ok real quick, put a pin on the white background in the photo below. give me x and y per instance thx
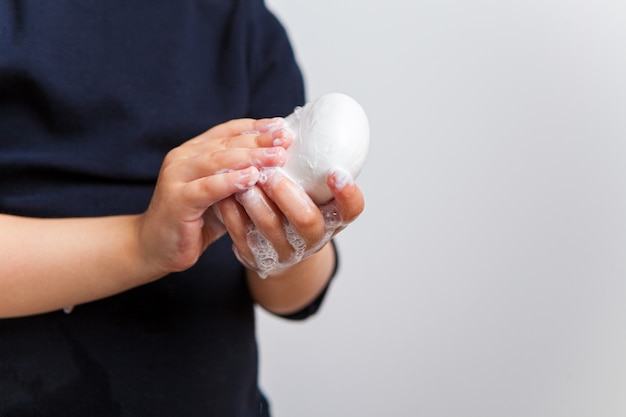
(487, 275)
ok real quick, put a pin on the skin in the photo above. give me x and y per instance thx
(49, 264)
(290, 289)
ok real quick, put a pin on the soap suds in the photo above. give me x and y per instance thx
(331, 135)
(266, 257)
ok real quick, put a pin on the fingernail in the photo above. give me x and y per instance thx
(341, 178)
(282, 136)
(273, 152)
(247, 178)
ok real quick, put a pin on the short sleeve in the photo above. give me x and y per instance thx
(276, 82)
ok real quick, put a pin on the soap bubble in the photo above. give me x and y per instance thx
(266, 257)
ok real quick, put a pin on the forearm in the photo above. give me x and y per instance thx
(296, 287)
(47, 264)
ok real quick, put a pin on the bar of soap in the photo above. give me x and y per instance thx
(329, 133)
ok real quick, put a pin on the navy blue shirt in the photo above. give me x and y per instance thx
(93, 94)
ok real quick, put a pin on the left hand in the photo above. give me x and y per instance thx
(275, 224)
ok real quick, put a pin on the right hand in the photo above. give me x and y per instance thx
(179, 223)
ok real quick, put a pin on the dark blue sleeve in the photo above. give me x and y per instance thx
(276, 83)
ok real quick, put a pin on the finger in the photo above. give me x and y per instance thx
(236, 221)
(295, 204)
(268, 220)
(248, 133)
(281, 137)
(226, 160)
(204, 192)
(347, 195)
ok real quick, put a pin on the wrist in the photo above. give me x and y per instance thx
(293, 288)
(144, 253)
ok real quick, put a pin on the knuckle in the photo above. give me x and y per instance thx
(174, 155)
(307, 219)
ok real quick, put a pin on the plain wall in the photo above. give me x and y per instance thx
(487, 275)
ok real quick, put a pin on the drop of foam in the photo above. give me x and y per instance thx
(329, 133)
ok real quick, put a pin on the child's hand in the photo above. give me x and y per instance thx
(275, 225)
(178, 225)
